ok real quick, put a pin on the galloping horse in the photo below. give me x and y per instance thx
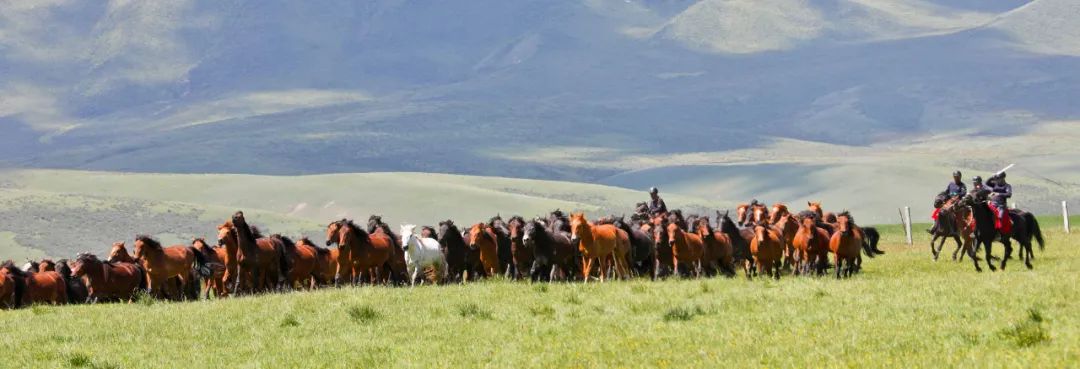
(109, 281)
(77, 293)
(216, 256)
(483, 239)
(522, 254)
(598, 243)
(325, 262)
(395, 267)
(163, 263)
(718, 250)
(359, 253)
(785, 223)
(811, 247)
(686, 249)
(767, 248)
(1025, 227)
(643, 247)
(7, 289)
(261, 263)
(845, 244)
(421, 253)
(505, 249)
(952, 223)
(35, 288)
(301, 261)
(552, 251)
(458, 261)
(740, 237)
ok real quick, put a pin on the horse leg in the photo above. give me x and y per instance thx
(987, 244)
(412, 276)
(1008, 251)
(838, 261)
(959, 245)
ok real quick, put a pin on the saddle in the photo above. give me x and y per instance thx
(1003, 225)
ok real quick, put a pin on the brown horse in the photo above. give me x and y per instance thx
(598, 243)
(815, 206)
(302, 263)
(325, 262)
(7, 290)
(742, 214)
(523, 255)
(119, 254)
(686, 249)
(108, 281)
(163, 263)
(261, 263)
(483, 238)
(811, 247)
(35, 288)
(46, 265)
(719, 252)
(767, 248)
(227, 250)
(360, 253)
(217, 256)
(845, 245)
(395, 268)
(663, 264)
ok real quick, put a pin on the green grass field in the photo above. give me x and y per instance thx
(903, 311)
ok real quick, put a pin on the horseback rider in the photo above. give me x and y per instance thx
(656, 204)
(953, 190)
(1001, 192)
(976, 185)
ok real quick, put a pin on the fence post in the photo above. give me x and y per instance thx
(1065, 214)
(907, 223)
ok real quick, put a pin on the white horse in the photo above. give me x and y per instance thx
(422, 253)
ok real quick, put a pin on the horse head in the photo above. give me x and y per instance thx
(578, 226)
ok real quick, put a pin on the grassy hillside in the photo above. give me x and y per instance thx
(904, 310)
(62, 212)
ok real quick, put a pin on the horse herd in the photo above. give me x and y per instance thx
(557, 247)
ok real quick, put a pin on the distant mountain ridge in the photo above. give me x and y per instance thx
(535, 89)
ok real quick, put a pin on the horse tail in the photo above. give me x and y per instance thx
(202, 266)
(866, 246)
(1033, 227)
(871, 237)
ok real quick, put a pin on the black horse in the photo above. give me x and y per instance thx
(456, 252)
(1025, 228)
(642, 247)
(552, 251)
(504, 243)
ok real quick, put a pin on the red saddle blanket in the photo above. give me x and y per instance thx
(1003, 225)
(934, 215)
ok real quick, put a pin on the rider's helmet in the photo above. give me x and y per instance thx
(956, 174)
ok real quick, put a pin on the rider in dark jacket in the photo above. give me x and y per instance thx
(656, 204)
(955, 189)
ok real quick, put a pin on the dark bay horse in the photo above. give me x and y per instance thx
(505, 246)
(461, 261)
(77, 291)
(740, 237)
(553, 254)
(1025, 228)
(522, 254)
(7, 289)
(811, 247)
(109, 281)
(952, 222)
(718, 250)
(642, 246)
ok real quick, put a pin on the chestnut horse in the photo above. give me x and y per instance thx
(301, 263)
(844, 245)
(662, 258)
(718, 250)
(767, 248)
(227, 251)
(325, 262)
(811, 247)
(522, 254)
(686, 249)
(787, 224)
(163, 263)
(599, 243)
(483, 239)
(7, 289)
(213, 255)
(360, 254)
(395, 267)
(109, 281)
(35, 288)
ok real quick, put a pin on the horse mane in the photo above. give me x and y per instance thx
(87, 257)
(517, 218)
(289, 244)
(430, 230)
(149, 241)
(244, 236)
(10, 267)
(256, 233)
(63, 268)
(361, 234)
(452, 232)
